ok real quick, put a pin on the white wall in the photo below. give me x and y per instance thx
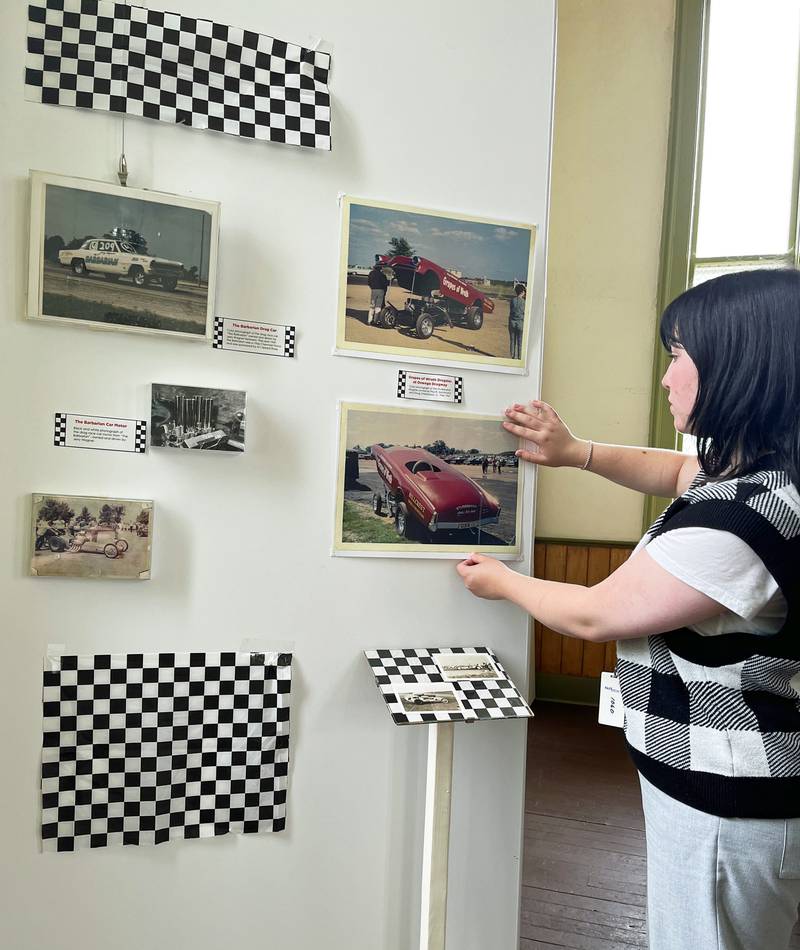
(444, 105)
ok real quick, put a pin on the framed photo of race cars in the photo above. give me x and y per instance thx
(86, 536)
(115, 258)
(434, 287)
(426, 483)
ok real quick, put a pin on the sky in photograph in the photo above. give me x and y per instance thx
(176, 234)
(474, 249)
(367, 427)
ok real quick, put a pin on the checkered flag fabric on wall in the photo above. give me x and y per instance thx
(142, 749)
(60, 429)
(99, 54)
(216, 340)
(288, 343)
(459, 388)
(401, 383)
(140, 439)
(496, 698)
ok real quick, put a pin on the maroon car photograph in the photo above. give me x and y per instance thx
(432, 287)
(424, 483)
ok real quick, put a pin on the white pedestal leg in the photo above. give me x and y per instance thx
(437, 836)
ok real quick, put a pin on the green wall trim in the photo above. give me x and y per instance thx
(680, 206)
(557, 688)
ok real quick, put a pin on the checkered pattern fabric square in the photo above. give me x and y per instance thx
(216, 338)
(60, 429)
(288, 344)
(480, 699)
(106, 55)
(143, 749)
(140, 438)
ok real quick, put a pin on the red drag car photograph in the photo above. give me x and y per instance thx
(430, 286)
(417, 482)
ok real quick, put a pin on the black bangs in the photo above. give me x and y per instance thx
(742, 332)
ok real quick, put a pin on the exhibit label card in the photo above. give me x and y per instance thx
(99, 432)
(429, 386)
(248, 336)
(611, 711)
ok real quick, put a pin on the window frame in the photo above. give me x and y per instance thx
(679, 260)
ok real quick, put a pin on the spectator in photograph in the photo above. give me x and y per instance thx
(484, 465)
(704, 613)
(516, 319)
(378, 284)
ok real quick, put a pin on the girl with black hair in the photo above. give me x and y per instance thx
(707, 614)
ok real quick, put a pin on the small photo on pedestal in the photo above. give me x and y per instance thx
(466, 666)
(194, 417)
(429, 697)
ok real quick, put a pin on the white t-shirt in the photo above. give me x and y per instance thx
(725, 568)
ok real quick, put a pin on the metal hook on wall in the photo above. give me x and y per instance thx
(122, 166)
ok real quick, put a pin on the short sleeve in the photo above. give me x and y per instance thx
(718, 564)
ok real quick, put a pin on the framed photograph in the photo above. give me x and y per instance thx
(432, 287)
(195, 417)
(426, 483)
(114, 258)
(85, 536)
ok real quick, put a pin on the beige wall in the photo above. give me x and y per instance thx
(613, 84)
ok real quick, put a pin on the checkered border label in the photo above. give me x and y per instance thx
(480, 699)
(139, 440)
(289, 337)
(458, 387)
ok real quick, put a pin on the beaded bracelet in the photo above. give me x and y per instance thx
(588, 457)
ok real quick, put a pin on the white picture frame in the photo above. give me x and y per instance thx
(92, 264)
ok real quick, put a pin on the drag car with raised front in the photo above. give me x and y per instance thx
(423, 491)
(441, 297)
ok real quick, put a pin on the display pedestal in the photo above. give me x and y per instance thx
(438, 687)
(436, 839)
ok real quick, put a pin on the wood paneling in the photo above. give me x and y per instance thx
(575, 563)
(555, 569)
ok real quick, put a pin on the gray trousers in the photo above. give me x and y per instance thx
(718, 883)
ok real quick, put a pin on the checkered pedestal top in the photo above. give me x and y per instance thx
(480, 699)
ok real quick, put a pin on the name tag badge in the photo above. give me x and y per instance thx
(611, 712)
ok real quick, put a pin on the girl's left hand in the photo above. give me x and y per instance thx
(484, 576)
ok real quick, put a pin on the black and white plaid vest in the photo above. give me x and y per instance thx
(714, 721)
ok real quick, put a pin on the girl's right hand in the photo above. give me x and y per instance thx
(553, 443)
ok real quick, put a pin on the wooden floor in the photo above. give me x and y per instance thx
(584, 861)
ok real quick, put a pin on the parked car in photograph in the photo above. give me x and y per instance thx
(427, 699)
(424, 492)
(114, 259)
(443, 298)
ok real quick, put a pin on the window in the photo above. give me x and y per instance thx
(732, 194)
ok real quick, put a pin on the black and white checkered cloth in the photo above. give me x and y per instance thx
(481, 699)
(60, 429)
(289, 342)
(459, 389)
(142, 749)
(715, 720)
(100, 54)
